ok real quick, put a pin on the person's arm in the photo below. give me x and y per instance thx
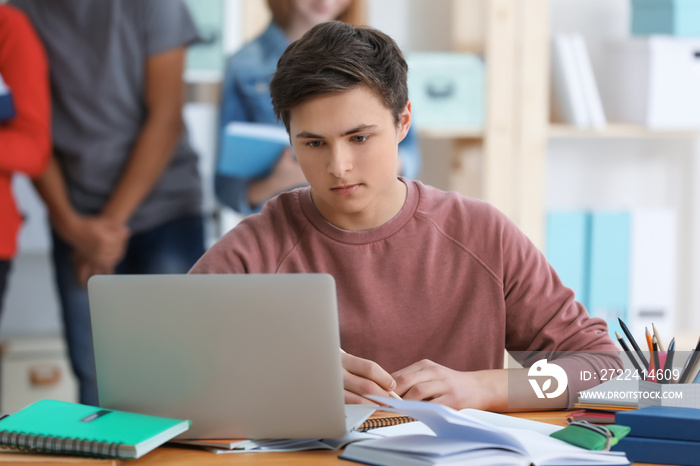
(364, 377)
(160, 133)
(26, 139)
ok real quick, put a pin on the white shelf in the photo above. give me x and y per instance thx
(618, 130)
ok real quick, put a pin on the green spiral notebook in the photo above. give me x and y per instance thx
(60, 427)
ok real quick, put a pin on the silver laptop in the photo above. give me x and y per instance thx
(242, 356)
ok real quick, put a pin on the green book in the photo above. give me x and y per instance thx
(60, 427)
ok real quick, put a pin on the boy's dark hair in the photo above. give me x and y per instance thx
(335, 57)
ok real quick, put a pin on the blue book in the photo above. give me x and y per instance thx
(7, 108)
(645, 450)
(249, 150)
(609, 271)
(568, 251)
(663, 422)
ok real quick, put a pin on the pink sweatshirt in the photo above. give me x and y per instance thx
(449, 279)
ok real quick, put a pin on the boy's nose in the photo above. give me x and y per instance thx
(340, 161)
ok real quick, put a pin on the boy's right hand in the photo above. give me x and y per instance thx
(364, 377)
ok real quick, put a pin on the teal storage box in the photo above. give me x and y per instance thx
(671, 17)
(446, 90)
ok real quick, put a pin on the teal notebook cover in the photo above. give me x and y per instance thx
(609, 271)
(59, 426)
(250, 150)
(567, 250)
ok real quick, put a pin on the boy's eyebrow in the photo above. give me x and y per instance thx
(358, 129)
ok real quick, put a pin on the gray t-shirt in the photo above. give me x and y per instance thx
(97, 52)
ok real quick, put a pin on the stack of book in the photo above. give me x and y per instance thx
(661, 434)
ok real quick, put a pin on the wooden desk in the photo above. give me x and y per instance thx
(187, 456)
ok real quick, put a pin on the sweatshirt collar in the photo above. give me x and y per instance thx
(365, 236)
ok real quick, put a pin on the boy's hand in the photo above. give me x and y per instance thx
(429, 381)
(364, 377)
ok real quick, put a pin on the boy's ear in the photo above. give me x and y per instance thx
(405, 118)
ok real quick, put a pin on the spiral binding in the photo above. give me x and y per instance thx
(376, 422)
(27, 441)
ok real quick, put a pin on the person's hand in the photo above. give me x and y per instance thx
(364, 377)
(99, 241)
(85, 269)
(287, 173)
(429, 381)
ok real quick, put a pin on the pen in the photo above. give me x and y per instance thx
(634, 344)
(626, 349)
(657, 366)
(669, 358)
(658, 338)
(651, 347)
(391, 392)
(690, 364)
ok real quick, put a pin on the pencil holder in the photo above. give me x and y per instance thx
(685, 395)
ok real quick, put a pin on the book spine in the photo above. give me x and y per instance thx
(26, 441)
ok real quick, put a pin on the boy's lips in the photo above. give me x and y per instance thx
(346, 188)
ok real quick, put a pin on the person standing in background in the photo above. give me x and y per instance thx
(246, 97)
(123, 189)
(25, 125)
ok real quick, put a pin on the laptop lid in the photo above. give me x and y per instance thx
(242, 356)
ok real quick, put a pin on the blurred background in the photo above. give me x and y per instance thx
(578, 118)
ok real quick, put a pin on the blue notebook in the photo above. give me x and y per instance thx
(645, 450)
(7, 108)
(249, 150)
(663, 422)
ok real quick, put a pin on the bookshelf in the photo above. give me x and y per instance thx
(505, 163)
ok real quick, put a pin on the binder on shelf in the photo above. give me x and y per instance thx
(652, 278)
(70, 428)
(566, 83)
(568, 239)
(590, 92)
(609, 269)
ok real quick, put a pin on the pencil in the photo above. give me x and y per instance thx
(669, 358)
(658, 376)
(391, 392)
(629, 354)
(658, 338)
(690, 364)
(650, 345)
(634, 344)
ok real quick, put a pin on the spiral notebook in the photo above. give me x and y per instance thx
(61, 427)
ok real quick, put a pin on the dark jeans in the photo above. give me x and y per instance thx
(4, 273)
(173, 247)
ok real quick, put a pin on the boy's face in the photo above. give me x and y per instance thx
(347, 147)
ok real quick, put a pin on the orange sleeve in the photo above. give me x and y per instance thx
(25, 141)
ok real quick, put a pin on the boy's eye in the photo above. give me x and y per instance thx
(360, 138)
(314, 143)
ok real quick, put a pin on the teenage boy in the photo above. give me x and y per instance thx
(432, 286)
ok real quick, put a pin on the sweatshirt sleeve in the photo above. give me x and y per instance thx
(543, 320)
(26, 139)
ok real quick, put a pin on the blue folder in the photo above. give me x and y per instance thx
(250, 150)
(568, 249)
(608, 296)
(7, 108)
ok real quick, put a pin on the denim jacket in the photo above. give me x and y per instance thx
(246, 97)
